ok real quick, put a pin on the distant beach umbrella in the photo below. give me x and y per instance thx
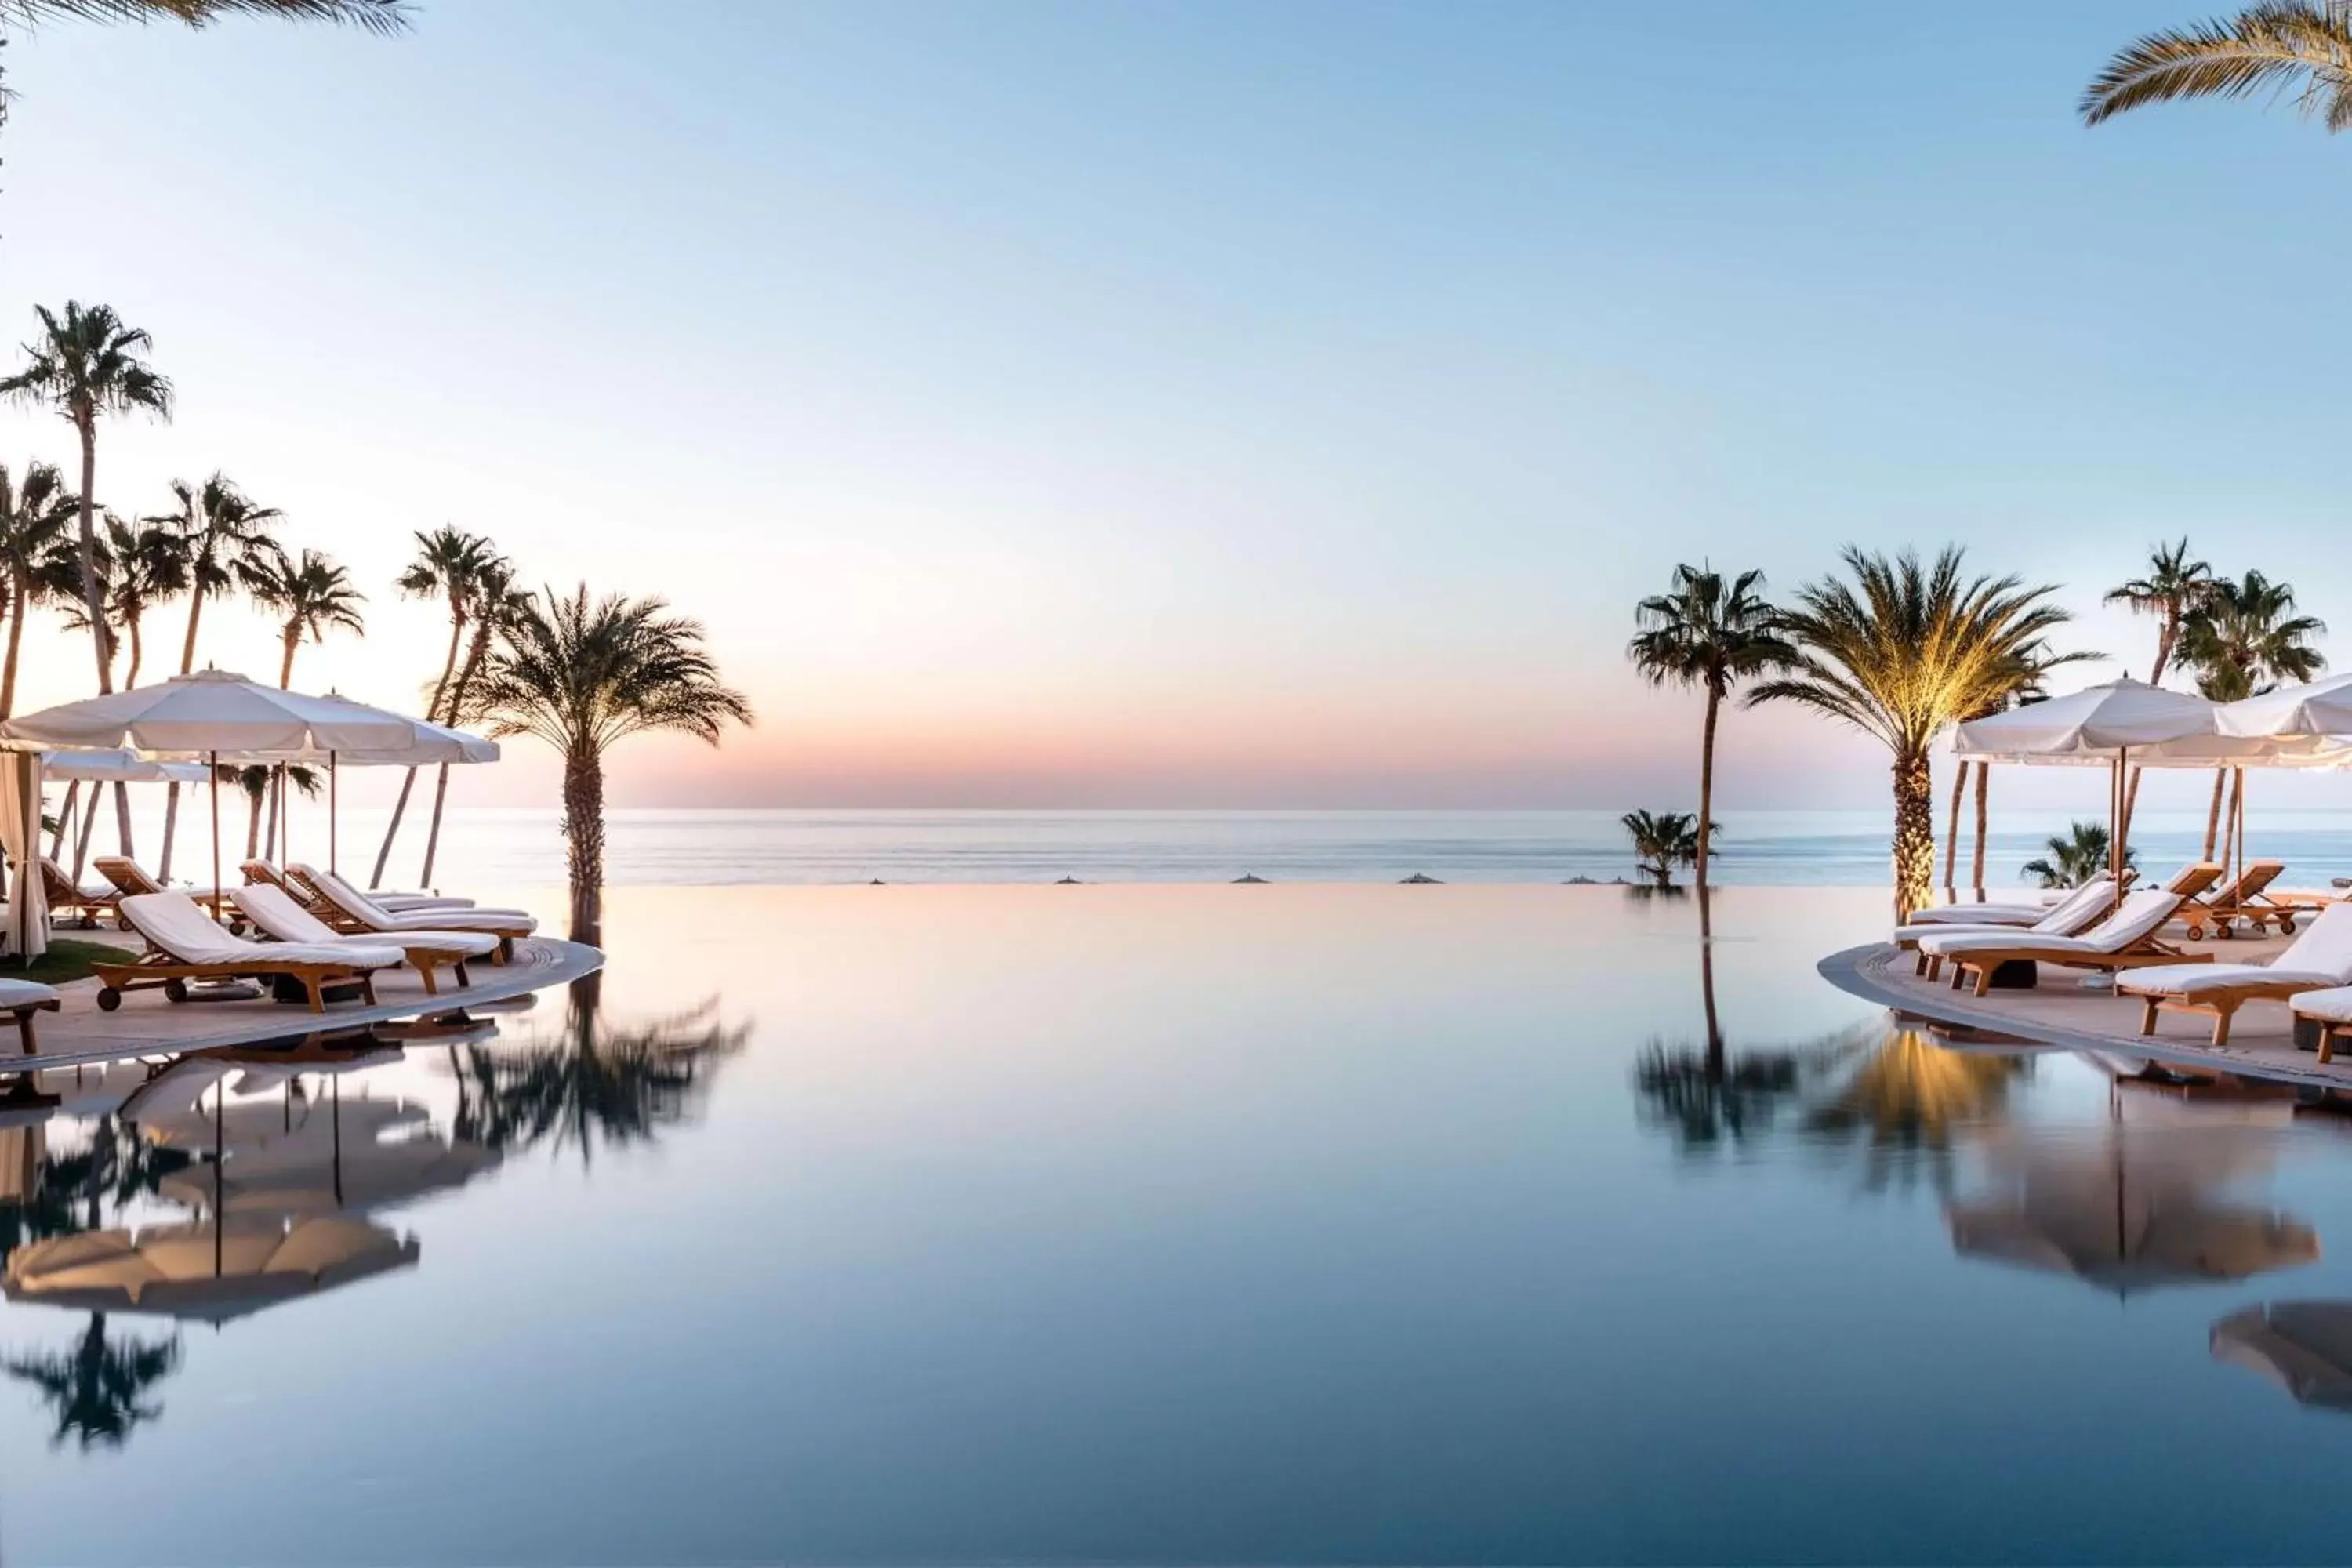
(119, 762)
(1420, 879)
(2304, 1347)
(1248, 877)
(2320, 708)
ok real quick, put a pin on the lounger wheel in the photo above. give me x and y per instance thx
(176, 991)
(2287, 925)
(109, 999)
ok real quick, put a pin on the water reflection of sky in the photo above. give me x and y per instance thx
(1210, 1224)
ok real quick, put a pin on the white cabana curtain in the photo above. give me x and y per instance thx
(20, 833)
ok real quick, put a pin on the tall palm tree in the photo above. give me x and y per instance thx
(35, 518)
(312, 596)
(2175, 585)
(85, 364)
(1714, 635)
(147, 564)
(584, 675)
(231, 544)
(496, 603)
(449, 565)
(2297, 48)
(1902, 651)
(2245, 637)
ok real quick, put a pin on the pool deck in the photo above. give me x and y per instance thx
(146, 1024)
(2060, 1012)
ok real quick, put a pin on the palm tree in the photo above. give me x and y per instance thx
(2244, 637)
(2176, 583)
(589, 1083)
(2077, 856)
(448, 566)
(36, 519)
(1707, 633)
(496, 603)
(582, 676)
(2301, 48)
(1902, 652)
(147, 564)
(230, 546)
(98, 1390)
(314, 595)
(258, 781)
(1663, 840)
(84, 365)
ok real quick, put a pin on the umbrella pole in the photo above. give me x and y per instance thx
(2122, 822)
(213, 773)
(331, 807)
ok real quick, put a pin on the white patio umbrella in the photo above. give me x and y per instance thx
(2320, 708)
(2105, 722)
(213, 713)
(118, 762)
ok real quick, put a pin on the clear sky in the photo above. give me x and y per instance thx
(1158, 404)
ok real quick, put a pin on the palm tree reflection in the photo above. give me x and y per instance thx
(1905, 1100)
(98, 1390)
(592, 1083)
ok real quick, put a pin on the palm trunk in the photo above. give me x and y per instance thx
(93, 599)
(22, 591)
(1952, 837)
(122, 819)
(1705, 785)
(584, 835)
(1706, 983)
(138, 653)
(252, 824)
(65, 814)
(1915, 834)
(2131, 799)
(2213, 812)
(2229, 835)
(473, 657)
(1984, 813)
(187, 663)
(408, 779)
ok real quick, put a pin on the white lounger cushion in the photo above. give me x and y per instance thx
(370, 914)
(16, 994)
(183, 932)
(2069, 915)
(2320, 957)
(2142, 915)
(274, 911)
(2333, 1004)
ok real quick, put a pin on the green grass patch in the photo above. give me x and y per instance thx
(66, 960)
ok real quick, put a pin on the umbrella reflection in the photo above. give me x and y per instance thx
(2137, 1202)
(2304, 1347)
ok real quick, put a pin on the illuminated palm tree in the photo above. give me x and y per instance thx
(448, 566)
(1713, 634)
(2299, 49)
(1902, 652)
(584, 675)
(84, 365)
(2243, 639)
(1908, 1099)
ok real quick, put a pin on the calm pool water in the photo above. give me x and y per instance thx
(1190, 1224)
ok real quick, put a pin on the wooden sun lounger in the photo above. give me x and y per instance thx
(131, 880)
(1982, 958)
(20, 999)
(64, 895)
(155, 917)
(282, 916)
(2242, 901)
(2318, 959)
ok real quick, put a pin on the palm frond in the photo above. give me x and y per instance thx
(2298, 48)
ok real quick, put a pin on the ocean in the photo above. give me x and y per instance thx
(677, 847)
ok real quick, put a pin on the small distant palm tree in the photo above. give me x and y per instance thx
(2244, 637)
(257, 782)
(1714, 634)
(448, 566)
(582, 675)
(2076, 859)
(147, 564)
(2296, 48)
(36, 518)
(313, 596)
(1663, 840)
(1904, 651)
(84, 365)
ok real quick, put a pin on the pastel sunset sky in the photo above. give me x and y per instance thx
(1191, 404)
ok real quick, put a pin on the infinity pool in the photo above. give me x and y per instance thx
(1189, 1225)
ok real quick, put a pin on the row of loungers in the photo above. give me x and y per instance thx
(2313, 976)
